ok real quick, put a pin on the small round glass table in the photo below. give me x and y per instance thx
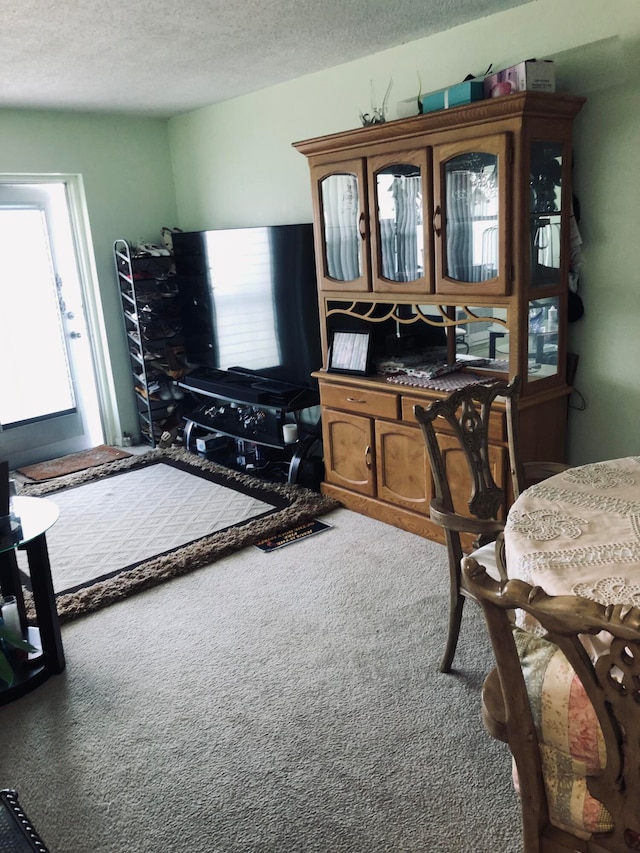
(26, 529)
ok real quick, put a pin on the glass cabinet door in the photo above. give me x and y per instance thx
(545, 214)
(482, 339)
(470, 215)
(400, 203)
(345, 238)
(546, 340)
(542, 357)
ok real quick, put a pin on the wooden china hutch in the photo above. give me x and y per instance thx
(443, 233)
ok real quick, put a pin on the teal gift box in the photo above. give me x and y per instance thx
(453, 96)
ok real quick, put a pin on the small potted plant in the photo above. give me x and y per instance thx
(10, 638)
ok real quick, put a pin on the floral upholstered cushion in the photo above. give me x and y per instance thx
(569, 734)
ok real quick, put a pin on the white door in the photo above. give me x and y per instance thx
(49, 404)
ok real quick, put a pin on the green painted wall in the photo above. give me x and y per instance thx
(234, 166)
(126, 168)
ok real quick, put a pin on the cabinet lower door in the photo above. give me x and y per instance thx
(458, 472)
(348, 451)
(402, 466)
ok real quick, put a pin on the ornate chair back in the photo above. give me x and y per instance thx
(573, 726)
(469, 493)
(466, 414)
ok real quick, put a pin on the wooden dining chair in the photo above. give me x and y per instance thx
(470, 496)
(573, 726)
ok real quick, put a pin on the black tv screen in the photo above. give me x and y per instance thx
(249, 301)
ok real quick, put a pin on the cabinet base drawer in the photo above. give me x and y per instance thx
(413, 522)
(361, 401)
(497, 419)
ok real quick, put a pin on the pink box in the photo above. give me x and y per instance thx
(536, 75)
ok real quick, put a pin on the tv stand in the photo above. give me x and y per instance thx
(242, 386)
(239, 418)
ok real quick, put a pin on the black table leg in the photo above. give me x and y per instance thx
(44, 600)
(11, 584)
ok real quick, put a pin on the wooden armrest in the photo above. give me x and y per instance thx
(501, 557)
(465, 523)
(494, 715)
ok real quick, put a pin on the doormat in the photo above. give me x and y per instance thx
(131, 524)
(293, 535)
(73, 462)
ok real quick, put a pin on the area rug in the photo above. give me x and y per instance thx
(128, 525)
(73, 462)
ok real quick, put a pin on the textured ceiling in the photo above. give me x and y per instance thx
(165, 57)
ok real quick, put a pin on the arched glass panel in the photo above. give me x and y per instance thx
(399, 200)
(341, 211)
(471, 193)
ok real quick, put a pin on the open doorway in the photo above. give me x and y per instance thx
(49, 399)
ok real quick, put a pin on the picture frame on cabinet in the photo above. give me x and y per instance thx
(350, 352)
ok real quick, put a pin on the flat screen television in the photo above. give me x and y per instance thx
(249, 301)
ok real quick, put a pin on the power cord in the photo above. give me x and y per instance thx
(582, 403)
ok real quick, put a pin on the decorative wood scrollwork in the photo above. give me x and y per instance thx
(376, 312)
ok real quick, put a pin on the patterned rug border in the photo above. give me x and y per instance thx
(302, 505)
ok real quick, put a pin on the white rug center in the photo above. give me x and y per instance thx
(129, 517)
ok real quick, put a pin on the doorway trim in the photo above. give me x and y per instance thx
(89, 284)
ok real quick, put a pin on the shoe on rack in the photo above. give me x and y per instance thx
(161, 251)
(166, 291)
(154, 431)
(167, 237)
(169, 436)
(171, 271)
(152, 354)
(146, 249)
(156, 329)
(153, 250)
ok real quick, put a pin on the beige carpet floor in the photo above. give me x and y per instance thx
(287, 702)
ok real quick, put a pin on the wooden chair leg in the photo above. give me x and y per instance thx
(455, 618)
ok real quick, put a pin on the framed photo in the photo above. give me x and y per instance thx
(349, 353)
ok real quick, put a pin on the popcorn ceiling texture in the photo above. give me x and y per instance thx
(163, 58)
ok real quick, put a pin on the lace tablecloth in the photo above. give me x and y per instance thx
(579, 533)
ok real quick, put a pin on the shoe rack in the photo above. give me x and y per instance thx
(153, 329)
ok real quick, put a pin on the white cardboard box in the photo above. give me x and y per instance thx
(536, 75)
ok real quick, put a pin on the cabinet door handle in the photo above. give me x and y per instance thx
(361, 226)
(367, 456)
(437, 224)
(354, 400)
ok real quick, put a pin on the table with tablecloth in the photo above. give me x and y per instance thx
(578, 533)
